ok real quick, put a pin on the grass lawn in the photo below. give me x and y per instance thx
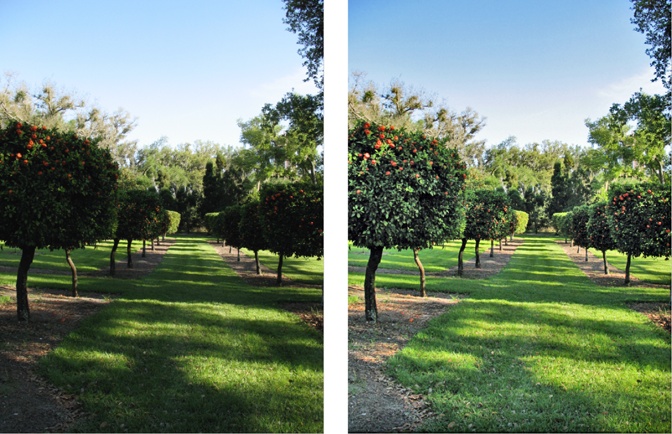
(87, 259)
(304, 270)
(435, 260)
(653, 270)
(191, 348)
(539, 347)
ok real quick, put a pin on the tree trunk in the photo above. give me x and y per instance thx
(478, 257)
(22, 307)
(460, 260)
(113, 264)
(238, 255)
(371, 310)
(230, 248)
(144, 248)
(73, 269)
(492, 248)
(627, 270)
(500, 244)
(604, 259)
(256, 261)
(158, 242)
(578, 249)
(152, 244)
(129, 258)
(279, 278)
(423, 286)
(586, 254)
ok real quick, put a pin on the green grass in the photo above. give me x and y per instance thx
(539, 347)
(653, 270)
(435, 260)
(191, 348)
(87, 259)
(303, 270)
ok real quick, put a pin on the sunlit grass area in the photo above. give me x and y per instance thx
(539, 347)
(191, 348)
(90, 258)
(434, 260)
(303, 270)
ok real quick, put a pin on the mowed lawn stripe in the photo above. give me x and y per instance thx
(541, 348)
(192, 348)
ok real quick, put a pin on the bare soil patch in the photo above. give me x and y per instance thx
(659, 313)
(376, 402)
(28, 403)
(311, 313)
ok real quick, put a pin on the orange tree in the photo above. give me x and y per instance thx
(489, 216)
(599, 231)
(293, 220)
(404, 192)
(229, 222)
(639, 217)
(578, 227)
(252, 230)
(139, 217)
(57, 191)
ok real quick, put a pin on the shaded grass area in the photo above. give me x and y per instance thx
(652, 270)
(435, 260)
(191, 348)
(303, 270)
(90, 258)
(539, 347)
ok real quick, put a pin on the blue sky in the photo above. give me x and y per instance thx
(188, 70)
(536, 69)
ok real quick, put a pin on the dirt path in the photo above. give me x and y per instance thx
(27, 402)
(659, 313)
(310, 313)
(376, 402)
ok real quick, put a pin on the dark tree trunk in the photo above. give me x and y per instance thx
(371, 310)
(627, 270)
(144, 248)
(604, 259)
(423, 286)
(129, 258)
(586, 254)
(478, 257)
(492, 248)
(578, 249)
(152, 244)
(22, 307)
(238, 255)
(230, 248)
(73, 269)
(500, 244)
(256, 261)
(278, 280)
(460, 260)
(158, 242)
(113, 264)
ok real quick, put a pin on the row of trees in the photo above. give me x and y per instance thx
(636, 222)
(287, 220)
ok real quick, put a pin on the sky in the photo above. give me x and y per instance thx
(187, 70)
(535, 69)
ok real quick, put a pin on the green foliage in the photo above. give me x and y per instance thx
(251, 227)
(561, 221)
(578, 225)
(173, 222)
(652, 18)
(139, 214)
(640, 218)
(210, 222)
(520, 219)
(229, 221)
(599, 229)
(489, 215)
(404, 188)
(57, 190)
(293, 218)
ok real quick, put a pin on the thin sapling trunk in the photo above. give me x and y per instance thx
(238, 248)
(278, 280)
(73, 270)
(492, 248)
(371, 310)
(586, 254)
(129, 258)
(113, 264)
(423, 286)
(144, 248)
(22, 307)
(256, 261)
(604, 259)
(478, 257)
(627, 270)
(460, 258)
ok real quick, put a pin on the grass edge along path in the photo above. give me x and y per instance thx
(193, 348)
(526, 352)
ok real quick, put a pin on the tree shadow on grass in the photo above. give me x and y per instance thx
(192, 367)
